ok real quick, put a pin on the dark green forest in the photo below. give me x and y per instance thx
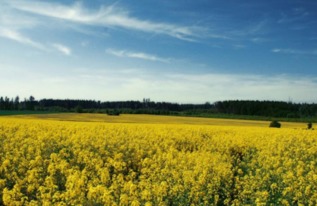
(229, 108)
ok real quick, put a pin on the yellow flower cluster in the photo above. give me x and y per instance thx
(45, 162)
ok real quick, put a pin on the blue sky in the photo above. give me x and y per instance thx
(176, 51)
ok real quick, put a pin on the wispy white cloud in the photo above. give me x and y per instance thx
(110, 16)
(63, 49)
(297, 19)
(137, 55)
(12, 25)
(84, 43)
(260, 40)
(297, 15)
(239, 46)
(18, 37)
(10, 18)
(258, 27)
(294, 51)
(255, 28)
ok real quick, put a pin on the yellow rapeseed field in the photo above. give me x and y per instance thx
(154, 161)
(156, 119)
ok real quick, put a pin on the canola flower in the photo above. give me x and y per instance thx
(45, 162)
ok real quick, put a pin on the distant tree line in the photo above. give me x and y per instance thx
(230, 107)
(7, 103)
(266, 108)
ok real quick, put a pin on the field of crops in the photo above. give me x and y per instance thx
(46, 161)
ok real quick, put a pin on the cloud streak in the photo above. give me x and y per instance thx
(110, 16)
(63, 49)
(294, 51)
(18, 37)
(137, 55)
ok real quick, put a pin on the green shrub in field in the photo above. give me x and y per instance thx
(309, 125)
(275, 124)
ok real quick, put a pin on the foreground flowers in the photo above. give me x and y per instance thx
(50, 162)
